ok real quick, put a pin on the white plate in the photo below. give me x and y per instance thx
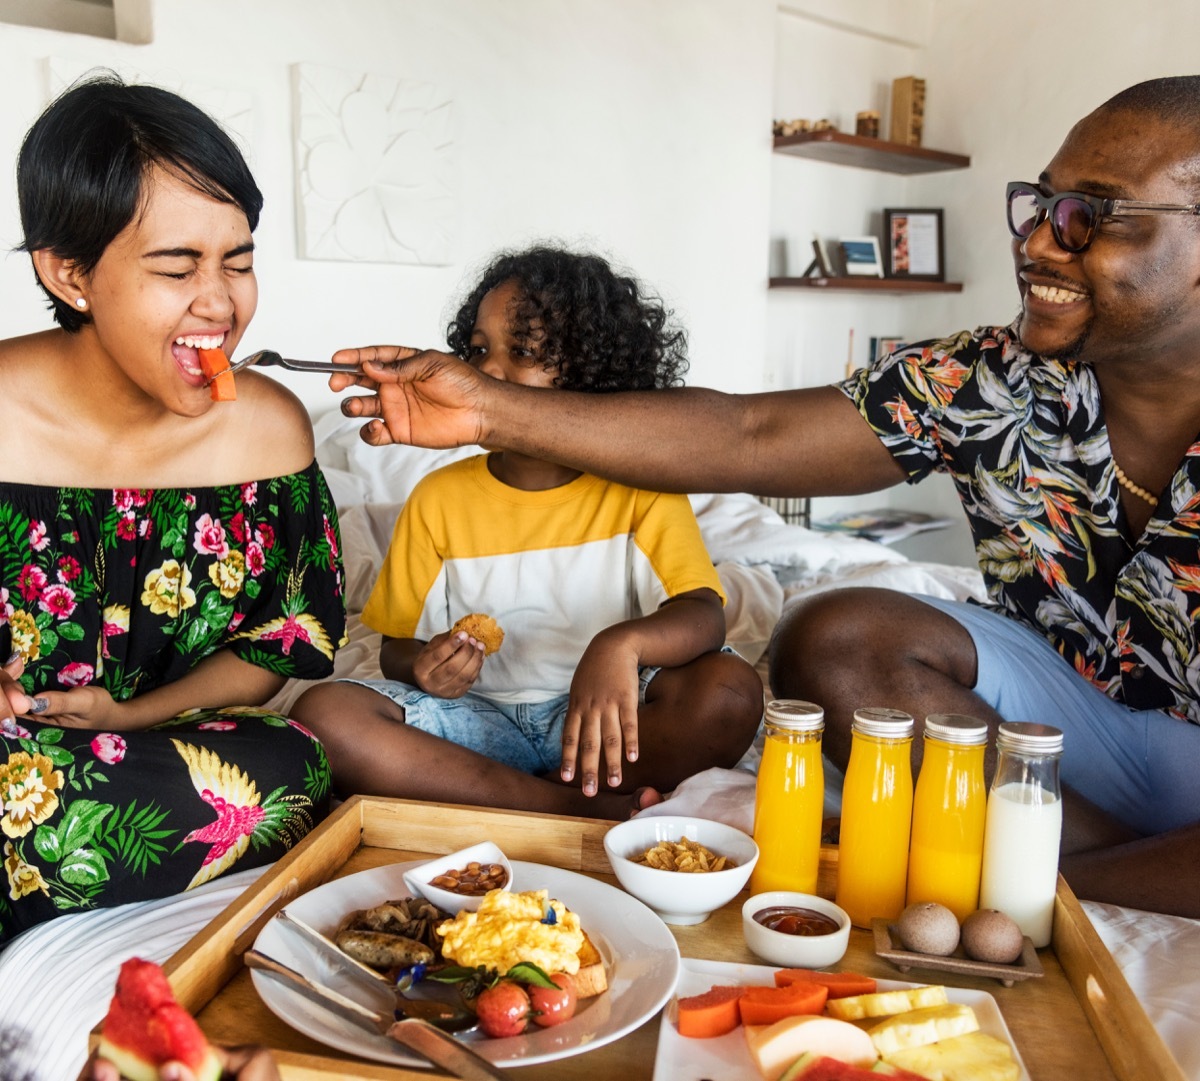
(681, 1058)
(640, 955)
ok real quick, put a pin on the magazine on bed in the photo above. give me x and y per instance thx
(885, 526)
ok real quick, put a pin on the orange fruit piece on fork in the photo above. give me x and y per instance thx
(215, 365)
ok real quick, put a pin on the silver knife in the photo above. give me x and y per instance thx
(429, 1042)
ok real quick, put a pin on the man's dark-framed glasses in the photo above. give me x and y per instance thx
(1073, 215)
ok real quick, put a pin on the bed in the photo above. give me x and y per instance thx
(56, 979)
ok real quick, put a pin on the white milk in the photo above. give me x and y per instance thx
(1020, 857)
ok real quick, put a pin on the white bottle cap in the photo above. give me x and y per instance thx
(1026, 737)
(956, 728)
(795, 715)
(880, 721)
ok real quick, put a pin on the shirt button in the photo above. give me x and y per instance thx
(1137, 671)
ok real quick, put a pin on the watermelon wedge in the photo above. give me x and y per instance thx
(215, 365)
(145, 1028)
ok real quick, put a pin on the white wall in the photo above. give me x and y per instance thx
(640, 129)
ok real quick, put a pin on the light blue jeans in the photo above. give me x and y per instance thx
(1141, 766)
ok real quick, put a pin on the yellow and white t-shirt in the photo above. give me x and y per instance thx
(553, 568)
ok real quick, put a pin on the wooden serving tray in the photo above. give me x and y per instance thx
(1079, 1020)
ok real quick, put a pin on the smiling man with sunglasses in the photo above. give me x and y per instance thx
(1071, 436)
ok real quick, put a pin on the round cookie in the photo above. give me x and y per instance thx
(483, 629)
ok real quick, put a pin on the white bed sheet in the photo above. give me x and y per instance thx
(55, 980)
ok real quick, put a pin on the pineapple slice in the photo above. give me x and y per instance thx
(973, 1057)
(919, 1027)
(882, 1003)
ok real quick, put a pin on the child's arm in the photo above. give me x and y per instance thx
(603, 710)
(446, 666)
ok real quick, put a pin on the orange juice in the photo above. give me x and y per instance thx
(789, 799)
(876, 815)
(949, 811)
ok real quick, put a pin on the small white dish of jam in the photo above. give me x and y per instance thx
(795, 930)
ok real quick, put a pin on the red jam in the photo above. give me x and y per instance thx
(788, 920)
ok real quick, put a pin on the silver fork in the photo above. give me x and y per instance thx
(267, 358)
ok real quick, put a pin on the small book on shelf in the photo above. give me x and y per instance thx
(885, 526)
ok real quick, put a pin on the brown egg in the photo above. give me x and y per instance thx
(989, 935)
(927, 927)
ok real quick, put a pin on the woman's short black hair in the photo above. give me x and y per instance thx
(598, 329)
(82, 167)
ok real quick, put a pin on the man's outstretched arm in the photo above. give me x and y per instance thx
(1157, 874)
(799, 442)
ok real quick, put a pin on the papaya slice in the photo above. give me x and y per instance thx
(714, 1013)
(840, 984)
(215, 365)
(766, 1005)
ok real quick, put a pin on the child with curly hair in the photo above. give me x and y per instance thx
(609, 605)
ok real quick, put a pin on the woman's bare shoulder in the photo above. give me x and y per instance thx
(273, 421)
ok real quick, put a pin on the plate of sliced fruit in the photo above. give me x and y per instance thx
(637, 955)
(821, 1026)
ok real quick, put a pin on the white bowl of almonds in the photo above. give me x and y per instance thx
(682, 868)
(461, 880)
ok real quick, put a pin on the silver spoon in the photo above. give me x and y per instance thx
(445, 1015)
(266, 358)
(426, 1039)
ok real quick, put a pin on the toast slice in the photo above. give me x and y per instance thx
(591, 978)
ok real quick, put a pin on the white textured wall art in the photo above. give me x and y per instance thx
(374, 168)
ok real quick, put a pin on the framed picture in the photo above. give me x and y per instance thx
(826, 268)
(914, 244)
(861, 257)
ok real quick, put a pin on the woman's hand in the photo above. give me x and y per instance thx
(602, 712)
(423, 398)
(239, 1063)
(449, 665)
(14, 702)
(83, 707)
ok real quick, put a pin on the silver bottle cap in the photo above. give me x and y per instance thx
(956, 728)
(795, 715)
(883, 722)
(1025, 737)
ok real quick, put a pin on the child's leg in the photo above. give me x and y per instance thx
(702, 714)
(373, 752)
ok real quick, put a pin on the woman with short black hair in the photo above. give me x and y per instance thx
(166, 561)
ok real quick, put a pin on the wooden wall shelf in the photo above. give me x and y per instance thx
(867, 285)
(864, 153)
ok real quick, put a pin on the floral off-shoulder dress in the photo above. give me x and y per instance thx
(128, 590)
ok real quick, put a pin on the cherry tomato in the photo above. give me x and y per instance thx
(553, 1006)
(503, 1009)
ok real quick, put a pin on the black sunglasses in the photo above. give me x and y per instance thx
(1073, 215)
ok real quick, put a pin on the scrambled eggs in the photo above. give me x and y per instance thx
(508, 929)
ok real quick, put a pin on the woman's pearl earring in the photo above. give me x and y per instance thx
(80, 302)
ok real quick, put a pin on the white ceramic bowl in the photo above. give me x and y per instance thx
(795, 951)
(680, 897)
(418, 879)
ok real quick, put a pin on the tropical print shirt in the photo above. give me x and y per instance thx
(131, 588)
(1024, 439)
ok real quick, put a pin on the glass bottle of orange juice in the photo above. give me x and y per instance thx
(949, 810)
(876, 815)
(789, 799)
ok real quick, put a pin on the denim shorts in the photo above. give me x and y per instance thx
(524, 735)
(1138, 765)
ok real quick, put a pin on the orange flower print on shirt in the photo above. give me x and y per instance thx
(22, 879)
(167, 590)
(29, 787)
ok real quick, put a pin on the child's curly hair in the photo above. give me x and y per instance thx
(599, 330)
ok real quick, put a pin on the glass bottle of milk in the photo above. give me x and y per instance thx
(1024, 828)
